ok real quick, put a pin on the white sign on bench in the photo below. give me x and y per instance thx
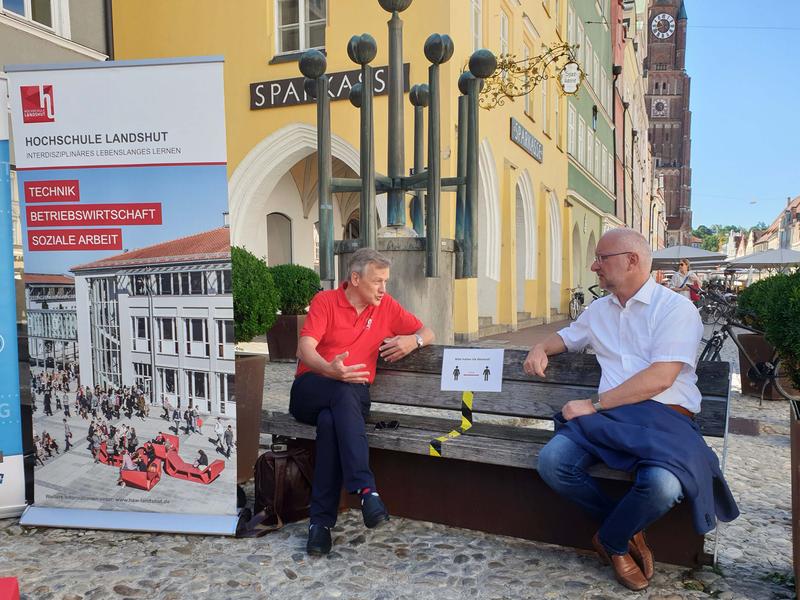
(472, 370)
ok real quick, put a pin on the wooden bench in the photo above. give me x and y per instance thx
(487, 478)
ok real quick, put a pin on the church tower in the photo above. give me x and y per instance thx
(667, 103)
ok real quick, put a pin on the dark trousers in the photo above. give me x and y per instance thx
(338, 410)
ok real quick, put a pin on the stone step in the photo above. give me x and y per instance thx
(530, 323)
(485, 322)
(493, 330)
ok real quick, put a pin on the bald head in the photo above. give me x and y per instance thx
(624, 239)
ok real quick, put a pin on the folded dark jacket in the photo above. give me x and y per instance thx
(650, 433)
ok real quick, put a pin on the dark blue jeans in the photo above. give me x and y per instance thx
(563, 465)
(338, 410)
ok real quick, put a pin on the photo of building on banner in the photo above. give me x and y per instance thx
(128, 289)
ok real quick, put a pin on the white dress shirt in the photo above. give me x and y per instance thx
(656, 325)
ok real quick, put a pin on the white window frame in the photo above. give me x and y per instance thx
(571, 119)
(611, 171)
(581, 43)
(589, 150)
(596, 168)
(581, 141)
(545, 120)
(190, 337)
(135, 320)
(570, 26)
(167, 345)
(556, 114)
(596, 74)
(477, 24)
(587, 65)
(302, 23)
(526, 54)
(604, 168)
(504, 35)
(59, 15)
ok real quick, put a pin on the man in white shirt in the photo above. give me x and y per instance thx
(646, 339)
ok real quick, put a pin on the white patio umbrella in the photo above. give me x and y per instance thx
(779, 258)
(697, 257)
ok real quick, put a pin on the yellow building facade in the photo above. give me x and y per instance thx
(523, 258)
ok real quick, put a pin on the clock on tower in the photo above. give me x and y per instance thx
(662, 26)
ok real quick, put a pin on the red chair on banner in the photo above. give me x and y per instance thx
(143, 480)
(175, 466)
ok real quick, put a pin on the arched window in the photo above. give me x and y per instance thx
(279, 239)
(352, 229)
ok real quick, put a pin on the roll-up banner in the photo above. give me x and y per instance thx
(12, 475)
(121, 169)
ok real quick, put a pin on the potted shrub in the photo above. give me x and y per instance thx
(255, 303)
(756, 308)
(296, 287)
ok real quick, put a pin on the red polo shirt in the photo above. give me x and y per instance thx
(336, 325)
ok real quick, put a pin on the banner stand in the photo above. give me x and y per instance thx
(12, 472)
(76, 518)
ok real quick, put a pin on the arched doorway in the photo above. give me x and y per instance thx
(591, 246)
(488, 232)
(525, 214)
(555, 252)
(279, 239)
(577, 257)
(279, 175)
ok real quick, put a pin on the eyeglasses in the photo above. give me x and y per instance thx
(601, 258)
(384, 425)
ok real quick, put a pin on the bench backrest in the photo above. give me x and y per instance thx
(415, 381)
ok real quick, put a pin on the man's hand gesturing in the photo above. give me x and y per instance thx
(536, 362)
(347, 373)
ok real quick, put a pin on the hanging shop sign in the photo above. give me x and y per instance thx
(570, 78)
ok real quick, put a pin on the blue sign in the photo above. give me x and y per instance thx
(526, 140)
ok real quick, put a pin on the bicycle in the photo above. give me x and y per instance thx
(711, 310)
(576, 302)
(764, 373)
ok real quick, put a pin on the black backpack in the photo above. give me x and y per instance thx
(283, 478)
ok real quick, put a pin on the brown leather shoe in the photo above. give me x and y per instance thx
(625, 568)
(642, 554)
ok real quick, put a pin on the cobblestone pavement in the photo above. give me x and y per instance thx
(416, 560)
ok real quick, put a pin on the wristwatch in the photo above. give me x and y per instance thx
(420, 341)
(595, 400)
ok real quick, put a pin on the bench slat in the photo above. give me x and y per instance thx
(525, 399)
(569, 368)
(469, 447)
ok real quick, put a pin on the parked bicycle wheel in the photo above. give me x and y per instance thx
(574, 309)
(783, 383)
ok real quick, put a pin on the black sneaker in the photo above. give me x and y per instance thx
(319, 539)
(373, 510)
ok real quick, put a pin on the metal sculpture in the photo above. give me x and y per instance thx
(426, 183)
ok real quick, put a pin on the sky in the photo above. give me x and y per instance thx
(745, 103)
(192, 199)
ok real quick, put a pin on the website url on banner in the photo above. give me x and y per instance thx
(98, 499)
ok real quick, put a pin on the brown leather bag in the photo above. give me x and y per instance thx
(283, 478)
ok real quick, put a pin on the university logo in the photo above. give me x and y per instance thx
(37, 104)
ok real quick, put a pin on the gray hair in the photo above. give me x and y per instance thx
(633, 241)
(364, 256)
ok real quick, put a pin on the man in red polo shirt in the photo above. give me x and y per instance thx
(344, 331)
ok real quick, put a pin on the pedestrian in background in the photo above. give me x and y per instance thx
(683, 280)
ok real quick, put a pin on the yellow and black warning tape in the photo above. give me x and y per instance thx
(466, 423)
